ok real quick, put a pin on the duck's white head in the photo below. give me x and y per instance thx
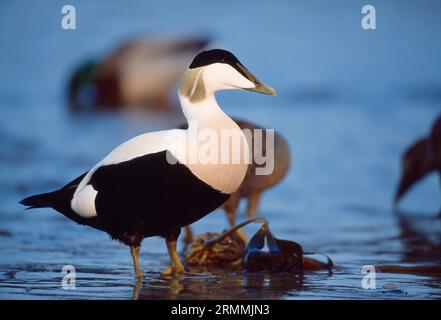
(216, 70)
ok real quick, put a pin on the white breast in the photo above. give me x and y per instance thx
(225, 176)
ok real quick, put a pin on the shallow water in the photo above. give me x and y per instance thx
(349, 102)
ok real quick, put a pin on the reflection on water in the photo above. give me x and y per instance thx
(349, 103)
(421, 237)
(221, 286)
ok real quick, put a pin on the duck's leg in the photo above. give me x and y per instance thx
(188, 236)
(230, 208)
(253, 204)
(134, 251)
(176, 266)
(136, 289)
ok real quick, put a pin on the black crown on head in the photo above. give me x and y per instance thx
(214, 56)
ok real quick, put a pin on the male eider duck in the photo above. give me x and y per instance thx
(421, 158)
(147, 186)
(139, 73)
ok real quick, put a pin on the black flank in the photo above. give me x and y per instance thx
(142, 197)
(148, 196)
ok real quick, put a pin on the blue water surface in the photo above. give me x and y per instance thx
(349, 102)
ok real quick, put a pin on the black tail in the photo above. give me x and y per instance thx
(43, 200)
(58, 200)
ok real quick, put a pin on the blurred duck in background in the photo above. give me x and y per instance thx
(254, 185)
(140, 73)
(420, 159)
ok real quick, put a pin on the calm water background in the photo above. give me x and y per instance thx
(349, 103)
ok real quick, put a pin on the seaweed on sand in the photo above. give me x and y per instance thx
(231, 249)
